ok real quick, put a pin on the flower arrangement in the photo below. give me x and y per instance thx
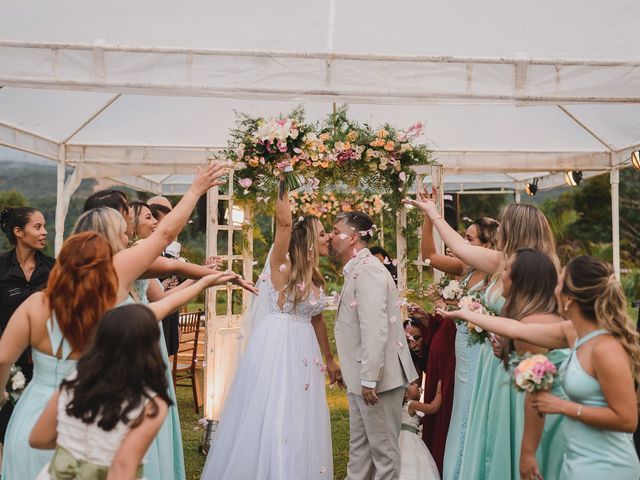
(450, 289)
(534, 373)
(262, 148)
(336, 152)
(331, 203)
(15, 385)
(475, 303)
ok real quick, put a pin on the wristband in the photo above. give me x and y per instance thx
(579, 411)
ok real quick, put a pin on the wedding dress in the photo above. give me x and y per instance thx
(275, 422)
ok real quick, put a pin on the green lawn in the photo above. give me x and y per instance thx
(337, 399)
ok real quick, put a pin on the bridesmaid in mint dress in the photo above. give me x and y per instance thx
(482, 233)
(598, 377)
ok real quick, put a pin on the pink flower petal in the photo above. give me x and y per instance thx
(353, 303)
(282, 267)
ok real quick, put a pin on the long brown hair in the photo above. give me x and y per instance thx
(599, 295)
(82, 286)
(305, 259)
(533, 281)
(524, 226)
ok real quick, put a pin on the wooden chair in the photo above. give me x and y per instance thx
(184, 361)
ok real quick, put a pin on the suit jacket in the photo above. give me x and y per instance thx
(371, 342)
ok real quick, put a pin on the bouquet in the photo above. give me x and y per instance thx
(475, 303)
(264, 148)
(534, 373)
(450, 289)
(15, 385)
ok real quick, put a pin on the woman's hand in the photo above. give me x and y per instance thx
(417, 312)
(213, 262)
(454, 314)
(246, 284)
(208, 177)
(529, 467)
(544, 402)
(433, 293)
(497, 344)
(218, 278)
(427, 202)
(334, 373)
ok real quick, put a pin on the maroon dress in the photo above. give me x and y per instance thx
(440, 336)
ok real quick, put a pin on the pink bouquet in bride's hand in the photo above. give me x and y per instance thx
(535, 373)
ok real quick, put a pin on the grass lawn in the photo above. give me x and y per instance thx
(336, 398)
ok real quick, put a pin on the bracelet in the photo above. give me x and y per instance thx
(437, 218)
(579, 411)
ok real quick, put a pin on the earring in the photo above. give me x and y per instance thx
(566, 307)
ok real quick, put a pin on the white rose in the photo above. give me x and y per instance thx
(18, 381)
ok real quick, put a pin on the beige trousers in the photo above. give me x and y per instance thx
(374, 453)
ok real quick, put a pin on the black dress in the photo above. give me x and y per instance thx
(15, 289)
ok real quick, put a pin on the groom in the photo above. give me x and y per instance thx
(374, 357)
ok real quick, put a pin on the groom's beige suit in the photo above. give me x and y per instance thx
(373, 352)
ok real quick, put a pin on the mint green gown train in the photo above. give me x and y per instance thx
(465, 376)
(487, 451)
(20, 461)
(592, 453)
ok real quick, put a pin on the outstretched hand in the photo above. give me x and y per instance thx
(218, 278)
(209, 176)
(453, 315)
(424, 200)
(246, 284)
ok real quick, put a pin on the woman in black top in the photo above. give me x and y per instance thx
(23, 271)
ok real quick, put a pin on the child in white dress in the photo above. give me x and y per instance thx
(416, 462)
(104, 417)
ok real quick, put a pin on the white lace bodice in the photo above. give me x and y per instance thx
(311, 306)
(89, 442)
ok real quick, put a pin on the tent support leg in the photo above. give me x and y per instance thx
(614, 178)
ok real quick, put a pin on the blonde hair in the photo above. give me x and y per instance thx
(305, 260)
(524, 226)
(107, 222)
(599, 295)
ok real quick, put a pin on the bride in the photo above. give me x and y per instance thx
(275, 423)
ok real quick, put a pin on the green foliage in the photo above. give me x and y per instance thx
(12, 198)
(631, 285)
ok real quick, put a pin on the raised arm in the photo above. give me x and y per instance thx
(549, 336)
(284, 225)
(481, 258)
(136, 443)
(132, 262)
(173, 302)
(444, 263)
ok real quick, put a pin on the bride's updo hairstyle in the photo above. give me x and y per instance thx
(305, 259)
(599, 296)
(524, 226)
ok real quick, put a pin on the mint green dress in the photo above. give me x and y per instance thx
(465, 376)
(551, 448)
(592, 453)
(165, 458)
(491, 434)
(20, 461)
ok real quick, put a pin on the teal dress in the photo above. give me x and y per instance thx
(592, 453)
(465, 376)
(165, 458)
(20, 461)
(491, 433)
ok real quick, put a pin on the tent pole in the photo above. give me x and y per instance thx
(60, 200)
(614, 177)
